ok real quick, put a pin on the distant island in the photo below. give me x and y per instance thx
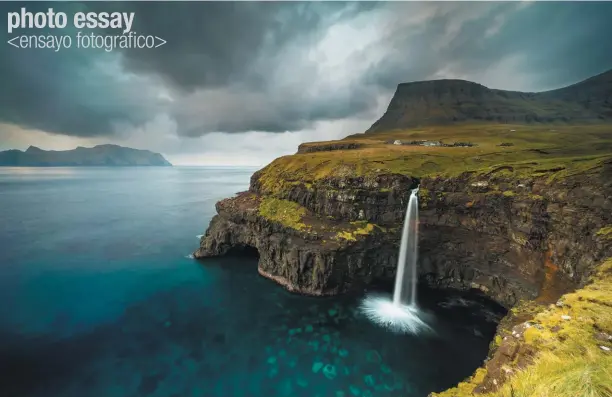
(100, 155)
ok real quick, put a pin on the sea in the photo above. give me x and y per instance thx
(100, 297)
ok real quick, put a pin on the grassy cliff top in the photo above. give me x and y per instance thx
(528, 150)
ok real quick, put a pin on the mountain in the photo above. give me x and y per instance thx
(443, 102)
(101, 155)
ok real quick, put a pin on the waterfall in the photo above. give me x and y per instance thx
(401, 314)
(404, 292)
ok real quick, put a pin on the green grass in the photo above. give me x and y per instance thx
(569, 361)
(466, 388)
(584, 374)
(285, 212)
(351, 235)
(555, 152)
(535, 197)
(605, 232)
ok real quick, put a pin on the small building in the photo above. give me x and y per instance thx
(397, 142)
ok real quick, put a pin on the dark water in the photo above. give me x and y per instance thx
(98, 298)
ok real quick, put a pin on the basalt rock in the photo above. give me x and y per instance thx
(511, 237)
(308, 148)
(381, 199)
(313, 261)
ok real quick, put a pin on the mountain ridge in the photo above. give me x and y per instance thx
(99, 155)
(449, 101)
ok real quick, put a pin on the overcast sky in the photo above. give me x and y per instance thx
(243, 83)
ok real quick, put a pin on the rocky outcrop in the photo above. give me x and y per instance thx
(306, 148)
(440, 102)
(316, 261)
(513, 237)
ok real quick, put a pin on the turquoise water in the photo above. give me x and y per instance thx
(100, 298)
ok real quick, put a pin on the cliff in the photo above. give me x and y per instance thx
(523, 213)
(441, 102)
(101, 155)
(498, 230)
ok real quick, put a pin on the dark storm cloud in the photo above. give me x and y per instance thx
(237, 111)
(210, 45)
(557, 43)
(243, 66)
(572, 46)
(451, 35)
(66, 94)
(72, 92)
(214, 44)
(235, 47)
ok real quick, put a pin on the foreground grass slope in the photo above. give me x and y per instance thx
(569, 345)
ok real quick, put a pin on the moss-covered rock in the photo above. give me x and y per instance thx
(285, 212)
(605, 232)
(558, 350)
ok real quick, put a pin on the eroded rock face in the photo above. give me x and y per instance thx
(513, 238)
(302, 261)
(305, 148)
(380, 199)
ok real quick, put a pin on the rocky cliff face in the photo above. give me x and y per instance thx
(317, 260)
(525, 238)
(511, 237)
(441, 102)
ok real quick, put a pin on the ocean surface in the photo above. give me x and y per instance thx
(99, 297)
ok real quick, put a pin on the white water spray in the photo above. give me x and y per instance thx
(401, 314)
